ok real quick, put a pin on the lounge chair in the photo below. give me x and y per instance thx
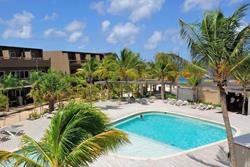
(202, 106)
(178, 102)
(143, 101)
(209, 107)
(172, 101)
(12, 131)
(4, 137)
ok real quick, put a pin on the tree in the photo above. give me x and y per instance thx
(218, 41)
(164, 67)
(242, 74)
(87, 72)
(107, 71)
(127, 64)
(194, 73)
(7, 82)
(50, 87)
(77, 135)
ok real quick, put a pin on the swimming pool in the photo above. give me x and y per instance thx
(162, 134)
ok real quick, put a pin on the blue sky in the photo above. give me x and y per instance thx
(145, 26)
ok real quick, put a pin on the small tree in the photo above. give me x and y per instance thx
(87, 73)
(194, 73)
(50, 87)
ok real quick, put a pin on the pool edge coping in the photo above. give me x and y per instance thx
(176, 154)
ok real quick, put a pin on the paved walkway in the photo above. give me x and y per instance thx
(211, 156)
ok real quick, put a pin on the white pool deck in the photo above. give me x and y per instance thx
(210, 156)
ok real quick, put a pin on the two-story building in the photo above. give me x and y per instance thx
(20, 62)
(68, 61)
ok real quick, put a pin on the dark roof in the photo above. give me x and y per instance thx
(18, 47)
(86, 52)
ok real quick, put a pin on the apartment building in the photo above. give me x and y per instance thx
(68, 61)
(20, 61)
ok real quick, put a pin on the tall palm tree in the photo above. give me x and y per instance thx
(218, 42)
(107, 71)
(127, 64)
(77, 135)
(164, 67)
(242, 74)
(142, 73)
(87, 71)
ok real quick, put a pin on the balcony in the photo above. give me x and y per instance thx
(76, 62)
(24, 63)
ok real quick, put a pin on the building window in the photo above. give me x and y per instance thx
(2, 74)
(13, 55)
(35, 54)
(26, 74)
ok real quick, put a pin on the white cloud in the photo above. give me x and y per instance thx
(98, 6)
(52, 16)
(72, 32)
(19, 26)
(75, 36)
(105, 25)
(154, 40)
(138, 9)
(74, 26)
(170, 36)
(200, 4)
(51, 32)
(124, 33)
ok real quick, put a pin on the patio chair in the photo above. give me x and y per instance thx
(172, 101)
(4, 137)
(209, 107)
(143, 101)
(179, 103)
(12, 131)
(202, 106)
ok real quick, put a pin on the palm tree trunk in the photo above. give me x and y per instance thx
(170, 88)
(51, 105)
(162, 88)
(230, 138)
(244, 100)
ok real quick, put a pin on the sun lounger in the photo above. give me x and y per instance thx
(4, 137)
(172, 101)
(178, 102)
(12, 131)
(209, 107)
(143, 101)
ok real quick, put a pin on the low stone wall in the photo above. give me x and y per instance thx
(206, 95)
(209, 95)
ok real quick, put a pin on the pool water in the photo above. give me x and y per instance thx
(163, 134)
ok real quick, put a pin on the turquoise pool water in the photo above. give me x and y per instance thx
(162, 134)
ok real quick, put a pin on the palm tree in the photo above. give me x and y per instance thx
(242, 74)
(142, 73)
(127, 64)
(50, 87)
(87, 72)
(194, 73)
(107, 71)
(218, 42)
(77, 135)
(164, 67)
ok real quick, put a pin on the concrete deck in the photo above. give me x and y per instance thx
(211, 156)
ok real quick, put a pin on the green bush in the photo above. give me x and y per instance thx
(34, 115)
(169, 95)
